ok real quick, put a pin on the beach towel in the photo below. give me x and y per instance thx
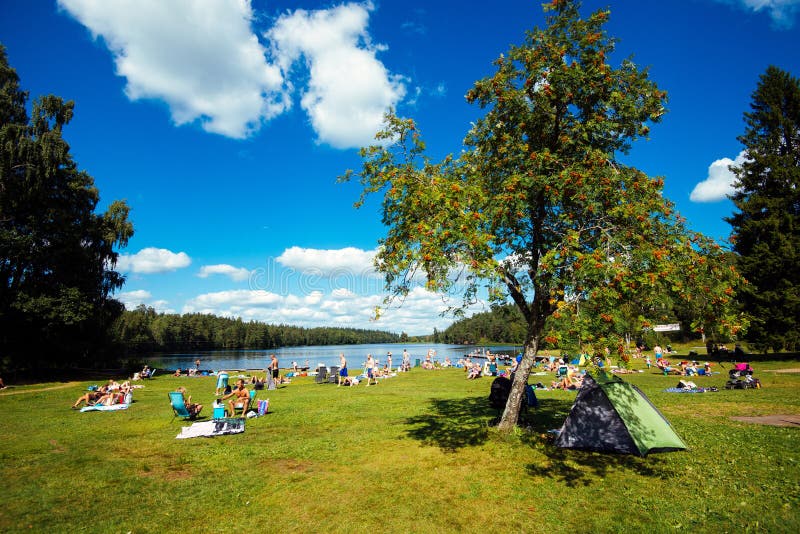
(104, 408)
(208, 429)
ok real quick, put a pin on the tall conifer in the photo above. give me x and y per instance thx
(766, 227)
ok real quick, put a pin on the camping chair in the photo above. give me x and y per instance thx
(322, 375)
(179, 408)
(333, 376)
(562, 371)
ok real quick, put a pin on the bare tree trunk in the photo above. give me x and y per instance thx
(517, 396)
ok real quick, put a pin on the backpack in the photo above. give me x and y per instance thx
(530, 396)
(498, 394)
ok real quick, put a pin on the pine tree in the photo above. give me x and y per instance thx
(766, 227)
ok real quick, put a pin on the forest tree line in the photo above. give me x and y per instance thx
(145, 330)
(502, 324)
(505, 324)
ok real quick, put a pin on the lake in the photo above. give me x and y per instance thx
(313, 356)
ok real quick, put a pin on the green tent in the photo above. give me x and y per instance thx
(610, 415)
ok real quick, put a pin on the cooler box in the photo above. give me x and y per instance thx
(219, 412)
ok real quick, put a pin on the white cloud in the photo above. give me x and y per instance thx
(237, 274)
(152, 260)
(201, 58)
(349, 89)
(135, 298)
(782, 12)
(419, 314)
(138, 296)
(205, 62)
(161, 306)
(349, 260)
(719, 183)
(239, 297)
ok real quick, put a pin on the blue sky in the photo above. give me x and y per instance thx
(224, 125)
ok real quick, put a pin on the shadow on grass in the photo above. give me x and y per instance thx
(454, 424)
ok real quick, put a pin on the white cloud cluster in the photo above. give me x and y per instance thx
(419, 314)
(201, 58)
(349, 89)
(132, 299)
(152, 260)
(206, 62)
(334, 288)
(719, 183)
(237, 274)
(349, 260)
(782, 12)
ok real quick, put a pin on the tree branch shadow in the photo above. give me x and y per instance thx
(454, 424)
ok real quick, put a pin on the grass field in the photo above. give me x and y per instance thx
(413, 454)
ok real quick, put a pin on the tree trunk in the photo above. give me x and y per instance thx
(517, 396)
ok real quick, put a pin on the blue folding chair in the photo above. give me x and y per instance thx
(179, 408)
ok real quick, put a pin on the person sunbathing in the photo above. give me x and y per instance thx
(569, 382)
(239, 396)
(90, 397)
(349, 381)
(191, 407)
(110, 398)
(474, 372)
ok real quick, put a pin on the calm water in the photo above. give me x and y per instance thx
(313, 356)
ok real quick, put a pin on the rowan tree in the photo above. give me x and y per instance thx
(538, 209)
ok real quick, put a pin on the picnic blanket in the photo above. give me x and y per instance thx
(208, 429)
(104, 408)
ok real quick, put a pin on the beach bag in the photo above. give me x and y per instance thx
(263, 406)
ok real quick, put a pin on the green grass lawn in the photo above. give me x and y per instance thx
(413, 454)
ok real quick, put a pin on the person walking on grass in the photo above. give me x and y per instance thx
(273, 368)
(370, 368)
